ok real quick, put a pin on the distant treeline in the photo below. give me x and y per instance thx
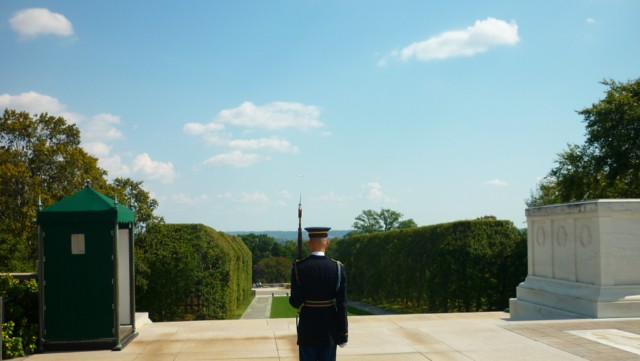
(454, 267)
(283, 236)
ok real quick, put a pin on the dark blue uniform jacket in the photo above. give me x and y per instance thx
(319, 290)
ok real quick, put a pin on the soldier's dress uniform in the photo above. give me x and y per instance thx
(318, 290)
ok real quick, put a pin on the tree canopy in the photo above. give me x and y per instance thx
(607, 165)
(41, 160)
(370, 221)
(271, 259)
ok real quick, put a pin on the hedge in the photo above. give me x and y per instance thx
(191, 271)
(20, 327)
(453, 267)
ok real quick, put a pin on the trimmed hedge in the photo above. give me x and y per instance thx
(454, 267)
(191, 271)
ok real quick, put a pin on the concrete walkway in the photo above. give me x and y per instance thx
(462, 336)
(260, 307)
(466, 336)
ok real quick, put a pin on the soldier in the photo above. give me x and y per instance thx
(319, 291)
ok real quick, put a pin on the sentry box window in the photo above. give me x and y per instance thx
(77, 244)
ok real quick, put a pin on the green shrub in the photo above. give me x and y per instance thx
(20, 327)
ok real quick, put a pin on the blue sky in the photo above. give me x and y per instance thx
(229, 110)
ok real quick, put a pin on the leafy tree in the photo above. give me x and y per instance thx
(40, 158)
(607, 165)
(367, 222)
(272, 270)
(130, 193)
(264, 247)
(370, 221)
(291, 250)
(260, 245)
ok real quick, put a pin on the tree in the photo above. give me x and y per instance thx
(131, 194)
(40, 158)
(260, 245)
(263, 248)
(272, 270)
(367, 222)
(607, 165)
(370, 221)
(291, 250)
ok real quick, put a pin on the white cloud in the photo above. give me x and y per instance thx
(590, 21)
(333, 197)
(102, 127)
(266, 118)
(187, 200)
(280, 145)
(254, 197)
(202, 129)
(374, 193)
(235, 158)
(496, 183)
(98, 149)
(153, 169)
(478, 38)
(30, 23)
(96, 134)
(114, 165)
(243, 197)
(36, 103)
(276, 115)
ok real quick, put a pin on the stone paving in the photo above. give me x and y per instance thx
(260, 308)
(489, 336)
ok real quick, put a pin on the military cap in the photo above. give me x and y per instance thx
(318, 232)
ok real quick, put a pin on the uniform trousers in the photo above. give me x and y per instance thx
(317, 353)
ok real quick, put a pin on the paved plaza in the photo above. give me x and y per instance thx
(489, 336)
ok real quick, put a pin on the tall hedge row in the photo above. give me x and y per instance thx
(191, 271)
(453, 267)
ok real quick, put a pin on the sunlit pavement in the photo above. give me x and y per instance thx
(461, 336)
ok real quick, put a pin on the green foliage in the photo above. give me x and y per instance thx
(291, 250)
(270, 258)
(607, 165)
(20, 329)
(41, 158)
(370, 221)
(261, 246)
(461, 266)
(191, 271)
(272, 270)
(131, 193)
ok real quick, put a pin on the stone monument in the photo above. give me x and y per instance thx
(583, 261)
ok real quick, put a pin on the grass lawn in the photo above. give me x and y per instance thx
(280, 308)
